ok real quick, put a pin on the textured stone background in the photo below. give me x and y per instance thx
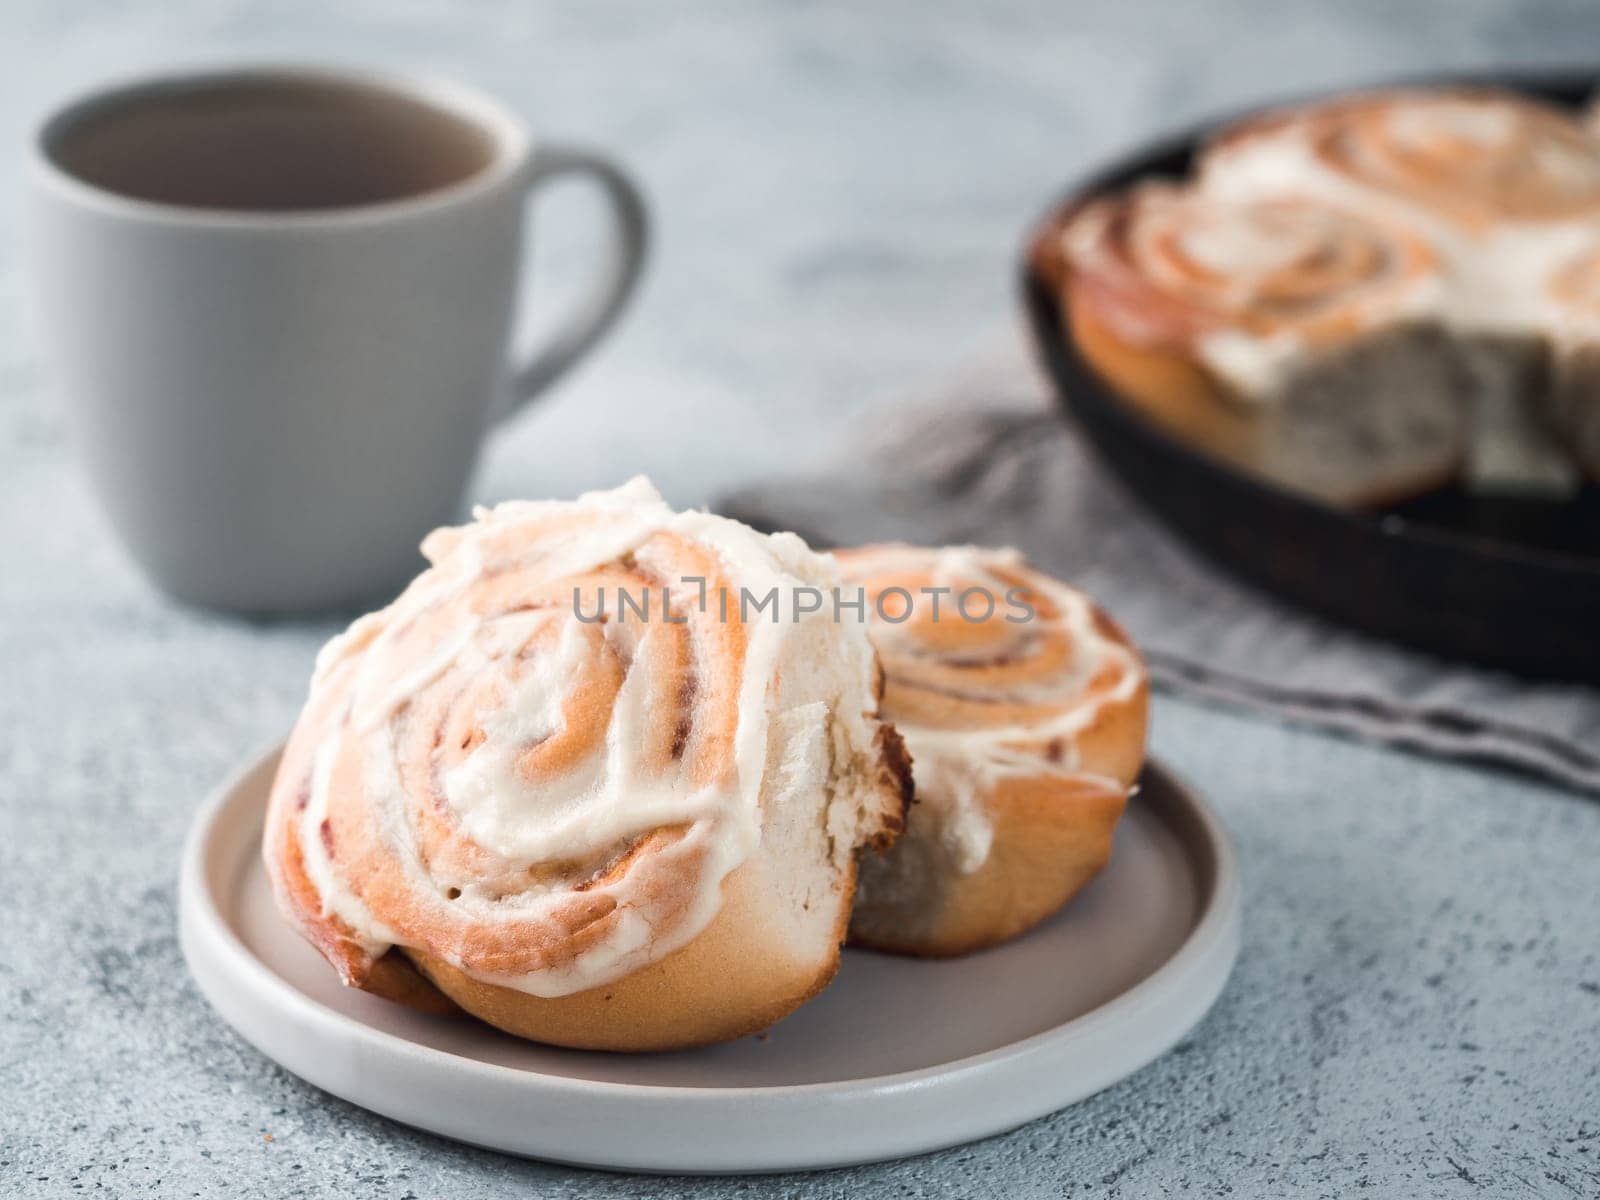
(838, 193)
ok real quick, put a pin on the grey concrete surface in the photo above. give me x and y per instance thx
(839, 192)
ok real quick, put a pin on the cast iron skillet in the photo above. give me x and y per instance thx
(1504, 583)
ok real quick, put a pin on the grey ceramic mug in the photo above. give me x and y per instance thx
(279, 303)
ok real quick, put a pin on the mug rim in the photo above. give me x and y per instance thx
(509, 136)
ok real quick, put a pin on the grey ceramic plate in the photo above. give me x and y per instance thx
(897, 1057)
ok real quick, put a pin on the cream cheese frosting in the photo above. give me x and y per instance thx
(1024, 723)
(1495, 272)
(1415, 259)
(1250, 281)
(450, 645)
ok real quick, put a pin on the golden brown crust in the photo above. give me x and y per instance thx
(1051, 838)
(1167, 386)
(668, 1005)
(1052, 806)
(395, 977)
(582, 832)
(1140, 310)
(1177, 394)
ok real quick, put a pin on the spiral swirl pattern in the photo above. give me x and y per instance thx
(1474, 158)
(490, 773)
(1170, 266)
(993, 670)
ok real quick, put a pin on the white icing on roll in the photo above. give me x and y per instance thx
(1252, 285)
(1495, 272)
(957, 765)
(375, 674)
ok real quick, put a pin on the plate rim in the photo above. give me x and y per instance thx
(1206, 957)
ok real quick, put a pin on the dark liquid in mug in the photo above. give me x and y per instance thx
(269, 145)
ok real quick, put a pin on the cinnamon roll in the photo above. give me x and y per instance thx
(1353, 298)
(597, 776)
(1506, 187)
(1024, 707)
(1475, 161)
(1295, 338)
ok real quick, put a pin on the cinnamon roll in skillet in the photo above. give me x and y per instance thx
(1437, 357)
(1291, 337)
(571, 782)
(1507, 187)
(1469, 161)
(1023, 707)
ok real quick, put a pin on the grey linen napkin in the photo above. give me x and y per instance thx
(997, 466)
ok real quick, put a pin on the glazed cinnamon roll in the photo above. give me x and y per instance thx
(1354, 298)
(1506, 186)
(1294, 338)
(598, 776)
(1023, 707)
(1475, 160)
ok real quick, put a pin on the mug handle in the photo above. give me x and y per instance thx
(609, 295)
